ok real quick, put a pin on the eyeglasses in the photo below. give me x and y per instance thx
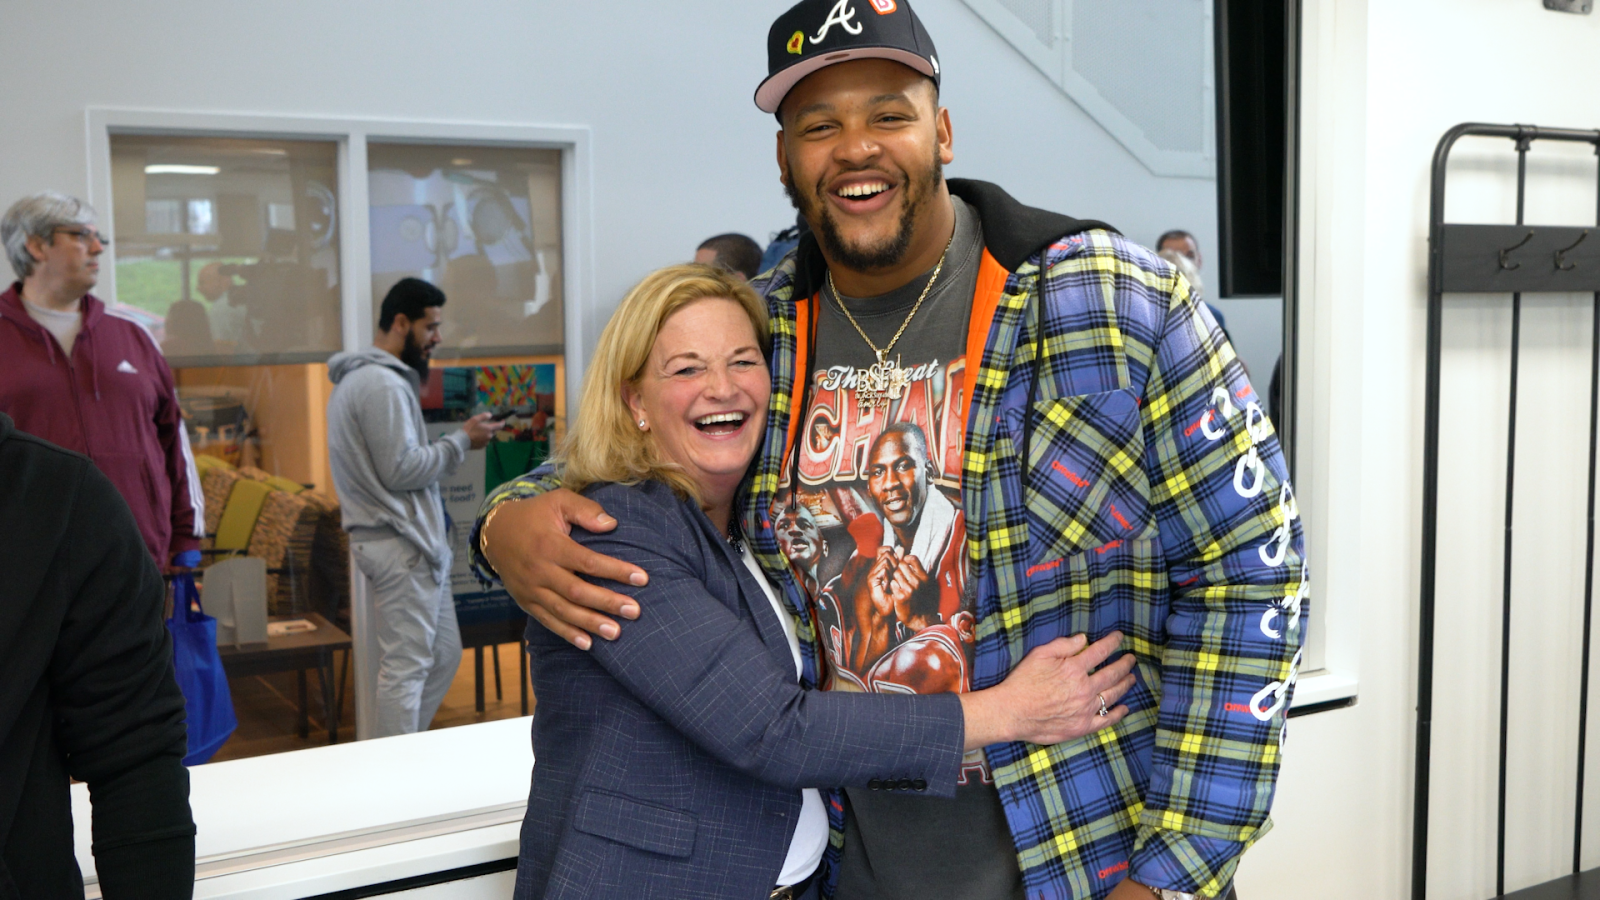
(85, 236)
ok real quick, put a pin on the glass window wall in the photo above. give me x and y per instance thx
(483, 223)
(228, 248)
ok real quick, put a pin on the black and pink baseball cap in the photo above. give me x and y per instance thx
(818, 33)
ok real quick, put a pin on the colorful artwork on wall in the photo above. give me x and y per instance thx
(527, 395)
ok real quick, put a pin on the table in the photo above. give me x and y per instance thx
(298, 652)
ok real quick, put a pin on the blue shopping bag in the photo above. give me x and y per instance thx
(200, 676)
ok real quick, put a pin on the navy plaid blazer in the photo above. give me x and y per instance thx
(668, 762)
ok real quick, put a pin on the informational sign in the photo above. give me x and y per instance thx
(529, 393)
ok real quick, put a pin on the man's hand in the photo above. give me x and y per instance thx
(480, 429)
(1053, 695)
(529, 543)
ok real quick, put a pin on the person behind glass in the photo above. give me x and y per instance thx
(83, 377)
(680, 760)
(387, 473)
(227, 315)
(188, 330)
(737, 253)
(86, 687)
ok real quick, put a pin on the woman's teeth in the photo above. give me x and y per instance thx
(720, 421)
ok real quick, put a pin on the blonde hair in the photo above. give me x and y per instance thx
(604, 443)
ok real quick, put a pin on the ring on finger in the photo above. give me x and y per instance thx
(1104, 710)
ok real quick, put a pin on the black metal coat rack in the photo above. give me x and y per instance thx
(1501, 259)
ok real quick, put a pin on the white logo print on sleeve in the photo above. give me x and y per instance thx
(843, 15)
(127, 367)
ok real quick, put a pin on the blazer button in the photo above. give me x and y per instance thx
(875, 785)
(904, 785)
(919, 785)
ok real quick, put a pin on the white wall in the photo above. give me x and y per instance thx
(1014, 127)
(680, 151)
(1384, 81)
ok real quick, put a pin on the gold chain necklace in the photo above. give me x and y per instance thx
(885, 381)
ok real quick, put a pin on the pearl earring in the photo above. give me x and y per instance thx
(641, 425)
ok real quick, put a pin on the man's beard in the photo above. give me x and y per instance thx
(414, 356)
(866, 259)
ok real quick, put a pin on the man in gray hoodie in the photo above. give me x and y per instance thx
(387, 473)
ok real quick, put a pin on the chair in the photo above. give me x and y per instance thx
(216, 482)
(330, 560)
(239, 514)
(294, 529)
(282, 537)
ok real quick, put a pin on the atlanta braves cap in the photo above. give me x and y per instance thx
(818, 33)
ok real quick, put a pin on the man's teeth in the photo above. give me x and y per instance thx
(863, 190)
(720, 418)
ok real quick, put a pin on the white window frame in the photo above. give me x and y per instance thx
(352, 135)
(324, 819)
(1328, 444)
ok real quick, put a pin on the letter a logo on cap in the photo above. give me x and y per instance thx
(842, 15)
(797, 43)
(883, 7)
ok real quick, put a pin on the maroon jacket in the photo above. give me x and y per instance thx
(113, 401)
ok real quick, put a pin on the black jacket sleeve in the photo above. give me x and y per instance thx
(119, 715)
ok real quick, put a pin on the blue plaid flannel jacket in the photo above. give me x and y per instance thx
(1119, 474)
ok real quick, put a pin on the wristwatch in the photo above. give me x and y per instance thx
(1165, 894)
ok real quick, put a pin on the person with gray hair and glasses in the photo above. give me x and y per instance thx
(87, 379)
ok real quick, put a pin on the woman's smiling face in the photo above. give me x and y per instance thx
(703, 394)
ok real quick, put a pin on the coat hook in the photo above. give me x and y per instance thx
(1561, 255)
(1505, 262)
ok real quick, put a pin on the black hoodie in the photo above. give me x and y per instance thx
(86, 686)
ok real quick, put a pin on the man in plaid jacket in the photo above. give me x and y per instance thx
(1114, 467)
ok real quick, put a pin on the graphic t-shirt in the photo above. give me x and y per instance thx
(869, 515)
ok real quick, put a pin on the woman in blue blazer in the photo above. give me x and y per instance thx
(680, 760)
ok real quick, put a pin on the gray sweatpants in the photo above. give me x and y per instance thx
(414, 621)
